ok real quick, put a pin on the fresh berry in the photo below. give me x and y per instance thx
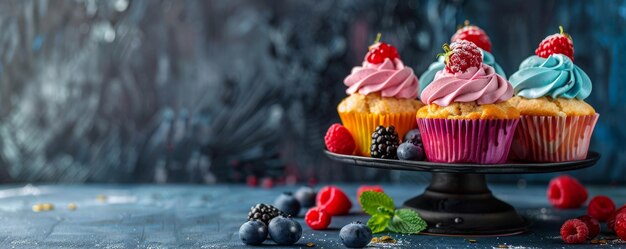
(566, 192)
(333, 200)
(339, 140)
(287, 203)
(379, 51)
(251, 181)
(410, 151)
(317, 218)
(355, 235)
(364, 188)
(592, 224)
(413, 136)
(559, 43)
(461, 55)
(306, 196)
(610, 222)
(253, 232)
(601, 207)
(264, 213)
(385, 142)
(620, 225)
(572, 232)
(284, 230)
(474, 34)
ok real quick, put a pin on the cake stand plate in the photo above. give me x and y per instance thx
(458, 202)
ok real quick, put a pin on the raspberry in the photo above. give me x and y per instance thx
(473, 34)
(610, 222)
(317, 219)
(333, 200)
(461, 55)
(574, 232)
(566, 192)
(339, 140)
(601, 207)
(620, 225)
(592, 224)
(379, 51)
(364, 188)
(559, 43)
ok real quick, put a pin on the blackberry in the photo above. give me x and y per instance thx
(385, 142)
(264, 213)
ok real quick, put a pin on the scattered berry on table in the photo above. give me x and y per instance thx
(385, 143)
(339, 140)
(610, 223)
(253, 232)
(592, 224)
(413, 136)
(620, 225)
(461, 55)
(306, 196)
(355, 235)
(364, 188)
(566, 192)
(287, 203)
(333, 200)
(264, 213)
(574, 232)
(317, 219)
(410, 151)
(601, 207)
(285, 230)
(559, 43)
(379, 51)
(473, 34)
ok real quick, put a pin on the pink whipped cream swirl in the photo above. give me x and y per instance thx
(480, 84)
(391, 79)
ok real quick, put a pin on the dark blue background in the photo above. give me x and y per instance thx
(209, 91)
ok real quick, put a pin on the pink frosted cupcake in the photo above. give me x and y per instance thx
(467, 118)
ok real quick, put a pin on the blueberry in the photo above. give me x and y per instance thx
(355, 235)
(253, 232)
(287, 203)
(414, 136)
(410, 151)
(306, 196)
(285, 231)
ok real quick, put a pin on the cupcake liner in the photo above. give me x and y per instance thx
(362, 125)
(467, 141)
(553, 139)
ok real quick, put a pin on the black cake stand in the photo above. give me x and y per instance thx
(458, 202)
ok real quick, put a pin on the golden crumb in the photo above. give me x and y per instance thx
(71, 206)
(376, 104)
(503, 246)
(547, 106)
(469, 110)
(310, 244)
(47, 206)
(101, 198)
(37, 208)
(472, 241)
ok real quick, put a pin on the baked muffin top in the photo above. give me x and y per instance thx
(469, 110)
(376, 104)
(548, 106)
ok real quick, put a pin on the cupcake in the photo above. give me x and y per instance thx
(556, 123)
(382, 91)
(470, 33)
(467, 118)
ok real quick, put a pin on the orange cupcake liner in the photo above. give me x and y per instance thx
(362, 125)
(552, 139)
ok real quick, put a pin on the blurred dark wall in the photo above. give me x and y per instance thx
(210, 91)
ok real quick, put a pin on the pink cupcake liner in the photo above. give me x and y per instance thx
(467, 141)
(553, 139)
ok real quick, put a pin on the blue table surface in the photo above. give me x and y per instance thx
(199, 216)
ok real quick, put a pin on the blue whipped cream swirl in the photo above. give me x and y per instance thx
(555, 76)
(427, 77)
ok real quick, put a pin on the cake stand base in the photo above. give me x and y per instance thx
(460, 204)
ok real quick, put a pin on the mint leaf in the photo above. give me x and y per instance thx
(376, 203)
(406, 221)
(378, 222)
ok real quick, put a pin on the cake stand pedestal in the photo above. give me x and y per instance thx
(458, 201)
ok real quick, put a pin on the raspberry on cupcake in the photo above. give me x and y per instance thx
(470, 33)
(466, 117)
(382, 91)
(556, 123)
